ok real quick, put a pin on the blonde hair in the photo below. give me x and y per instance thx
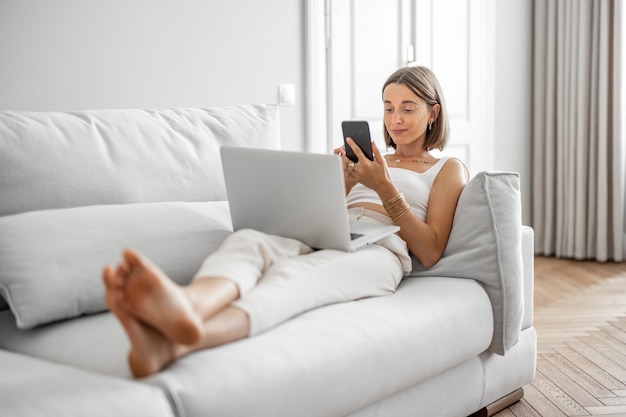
(423, 83)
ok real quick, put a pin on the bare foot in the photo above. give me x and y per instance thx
(153, 298)
(150, 350)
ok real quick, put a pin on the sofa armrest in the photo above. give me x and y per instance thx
(528, 265)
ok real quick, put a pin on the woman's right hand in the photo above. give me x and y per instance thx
(349, 180)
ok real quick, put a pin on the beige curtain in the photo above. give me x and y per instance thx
(578, 157)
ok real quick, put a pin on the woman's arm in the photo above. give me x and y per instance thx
(425, 239)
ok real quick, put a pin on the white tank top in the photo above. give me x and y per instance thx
(415, 186)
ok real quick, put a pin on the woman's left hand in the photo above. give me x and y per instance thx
(372, 174)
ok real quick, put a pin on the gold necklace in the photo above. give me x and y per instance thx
(397, 161)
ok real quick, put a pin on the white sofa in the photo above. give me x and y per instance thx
(77, 187)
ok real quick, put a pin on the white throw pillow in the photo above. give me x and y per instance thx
(486, 245)
(52, 260)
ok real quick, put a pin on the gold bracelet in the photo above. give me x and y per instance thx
(396, 206)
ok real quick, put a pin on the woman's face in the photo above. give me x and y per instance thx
(406, 115)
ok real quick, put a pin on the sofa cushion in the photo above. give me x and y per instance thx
(59, 160)
(328, 361)
(486, 245)
(95, 343)
(311, 365)
(337, 359)
(52, 260)
(34, 388)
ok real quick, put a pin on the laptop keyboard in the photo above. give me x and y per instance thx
(355, 235)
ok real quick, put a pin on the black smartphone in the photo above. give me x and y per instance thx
(359, 131)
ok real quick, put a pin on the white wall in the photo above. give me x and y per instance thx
(79, 54)
(513, 94)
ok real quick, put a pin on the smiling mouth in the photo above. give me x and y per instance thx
(397, 132)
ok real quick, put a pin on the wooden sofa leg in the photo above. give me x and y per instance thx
(500, 404)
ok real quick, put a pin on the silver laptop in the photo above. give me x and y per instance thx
(296, 195)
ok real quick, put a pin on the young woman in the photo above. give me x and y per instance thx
(256, 281)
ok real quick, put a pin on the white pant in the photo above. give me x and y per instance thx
(279, 278)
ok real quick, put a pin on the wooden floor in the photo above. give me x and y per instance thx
(580, 317)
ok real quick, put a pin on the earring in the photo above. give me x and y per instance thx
(430, 125)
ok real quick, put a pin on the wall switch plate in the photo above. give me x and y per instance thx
(286, 94)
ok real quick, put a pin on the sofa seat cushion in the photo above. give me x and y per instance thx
(94, 343)
(328, 361)
(31, 387)
(52, 260)
(340, 358)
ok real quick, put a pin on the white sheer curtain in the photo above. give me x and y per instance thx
(578, 155)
